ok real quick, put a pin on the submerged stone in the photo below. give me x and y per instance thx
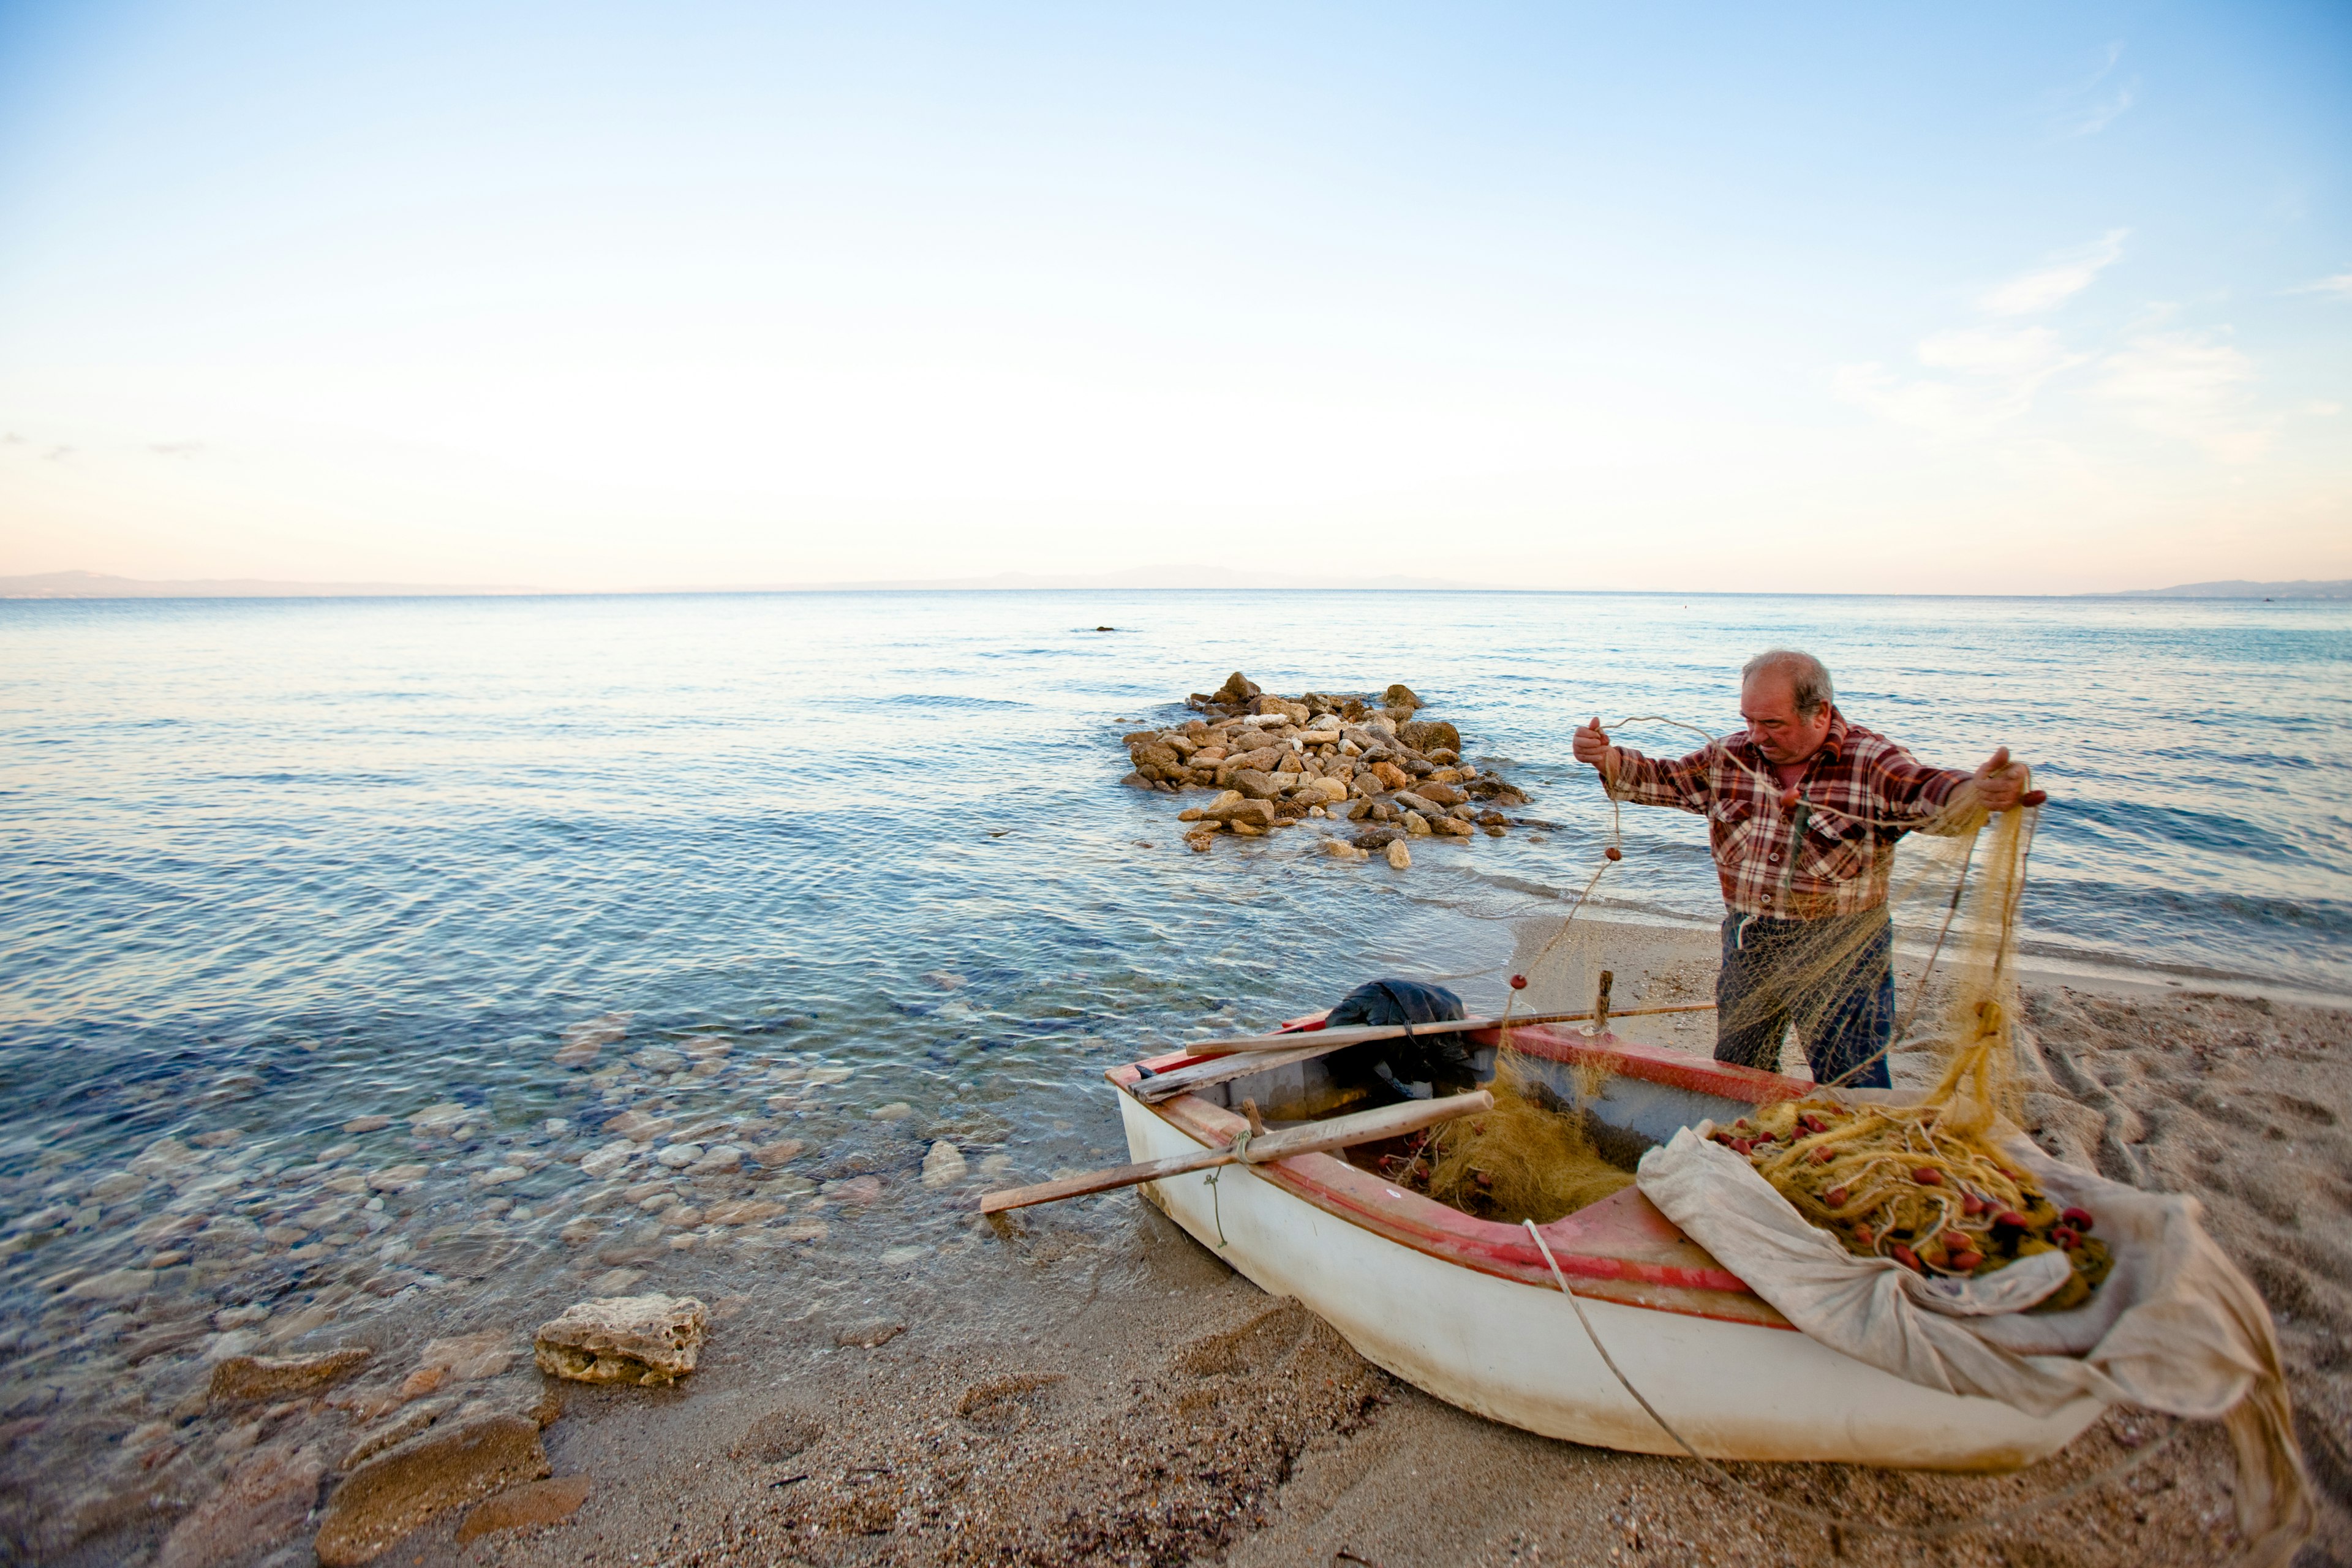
(246, 1377)
(403, 1488)
(266, 1498)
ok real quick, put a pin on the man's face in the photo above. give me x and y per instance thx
(1769, 703)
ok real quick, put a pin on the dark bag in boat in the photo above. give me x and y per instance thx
(1418, 1065)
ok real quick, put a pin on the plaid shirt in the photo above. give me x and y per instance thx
(1858, 795)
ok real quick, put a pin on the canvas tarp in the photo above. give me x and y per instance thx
(2175, 1327)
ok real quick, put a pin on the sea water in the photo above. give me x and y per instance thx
(281, 869)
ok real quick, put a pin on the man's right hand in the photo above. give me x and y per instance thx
(1592, 745)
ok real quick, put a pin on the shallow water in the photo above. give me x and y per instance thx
(277, 866)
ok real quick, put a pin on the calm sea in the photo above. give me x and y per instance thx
(273, 865)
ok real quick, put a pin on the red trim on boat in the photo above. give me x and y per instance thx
(1622, 1245)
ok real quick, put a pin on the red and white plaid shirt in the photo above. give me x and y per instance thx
(1859, 794)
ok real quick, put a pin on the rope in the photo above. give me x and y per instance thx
(1240, 1146)
(1837, 1523)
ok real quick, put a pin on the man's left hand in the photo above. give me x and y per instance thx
(2000, 783)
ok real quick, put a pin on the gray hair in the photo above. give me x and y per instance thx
(1809, 678)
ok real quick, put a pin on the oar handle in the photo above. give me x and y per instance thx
(1314, 1138)
(1349, 1037)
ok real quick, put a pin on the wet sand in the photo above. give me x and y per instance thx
(1097, 1387)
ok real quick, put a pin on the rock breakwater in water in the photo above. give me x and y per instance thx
(1322, 757)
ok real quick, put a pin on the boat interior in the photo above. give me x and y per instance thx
(1626, 1096)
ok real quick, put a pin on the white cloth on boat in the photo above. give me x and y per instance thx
(2175, 1326)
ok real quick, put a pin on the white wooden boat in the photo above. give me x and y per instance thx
(1466, 1309)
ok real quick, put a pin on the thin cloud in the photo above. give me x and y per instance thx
(2091, 106)
(2339, 286)
(1992, 376)
(2065, 275)
(2094, 117)
(2188, 386)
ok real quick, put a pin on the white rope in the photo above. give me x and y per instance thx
(1837, 1522)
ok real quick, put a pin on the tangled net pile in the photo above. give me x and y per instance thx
(1528, 1158)
(1925, 1184)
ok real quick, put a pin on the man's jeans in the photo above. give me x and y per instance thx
(1833, 979)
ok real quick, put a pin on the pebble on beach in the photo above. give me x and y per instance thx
(644, 1339)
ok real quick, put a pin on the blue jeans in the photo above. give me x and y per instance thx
(1833, 979)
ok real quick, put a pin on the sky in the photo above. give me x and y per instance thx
(1871, 298)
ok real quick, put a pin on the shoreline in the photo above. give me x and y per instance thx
(879, 1330)
(1183, 1416)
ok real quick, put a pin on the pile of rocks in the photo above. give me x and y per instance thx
(1327, 756)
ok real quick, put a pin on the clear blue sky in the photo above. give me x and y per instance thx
(2002, 297)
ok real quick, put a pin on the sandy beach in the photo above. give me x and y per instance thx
(1097, 1387)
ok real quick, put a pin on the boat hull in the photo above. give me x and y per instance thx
(1515, 1351)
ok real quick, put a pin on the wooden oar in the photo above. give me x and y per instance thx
(1349, 1037)
(1314, 1138)
(1270, 1051)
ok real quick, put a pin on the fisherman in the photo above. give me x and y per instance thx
(1804, 809)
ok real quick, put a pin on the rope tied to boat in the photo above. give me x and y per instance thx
(1838, 1524)
(1240, 1146)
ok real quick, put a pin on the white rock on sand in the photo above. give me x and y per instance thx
(644, 1339)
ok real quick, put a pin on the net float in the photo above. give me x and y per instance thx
(1518, 982)
(2079, 1218)
(1905, 1255)
(2067, 1237)
(1835, 1197)
(1929, 1176)
(2010, 1220)
(1972, 1204)
(1967, 1262)
(2033, 797)
(1613, 852)
(1864, 1235)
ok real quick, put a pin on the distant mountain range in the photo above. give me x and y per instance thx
(98, 585)
(2299, 589)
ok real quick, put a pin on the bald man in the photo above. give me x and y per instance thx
(1803, 810)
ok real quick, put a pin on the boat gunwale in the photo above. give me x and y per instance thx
(1581, 1242)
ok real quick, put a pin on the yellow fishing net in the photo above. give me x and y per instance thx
(1523, 1160)
(1923, 1184)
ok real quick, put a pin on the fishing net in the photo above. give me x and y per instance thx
(1923, 1184)
(1528, 1158)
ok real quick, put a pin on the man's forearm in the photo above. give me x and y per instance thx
(1644, 781)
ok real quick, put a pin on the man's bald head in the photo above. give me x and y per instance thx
(1785, 697)
(1808, 678)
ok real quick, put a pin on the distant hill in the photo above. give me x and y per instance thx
(98, 585)
(2299, 589)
